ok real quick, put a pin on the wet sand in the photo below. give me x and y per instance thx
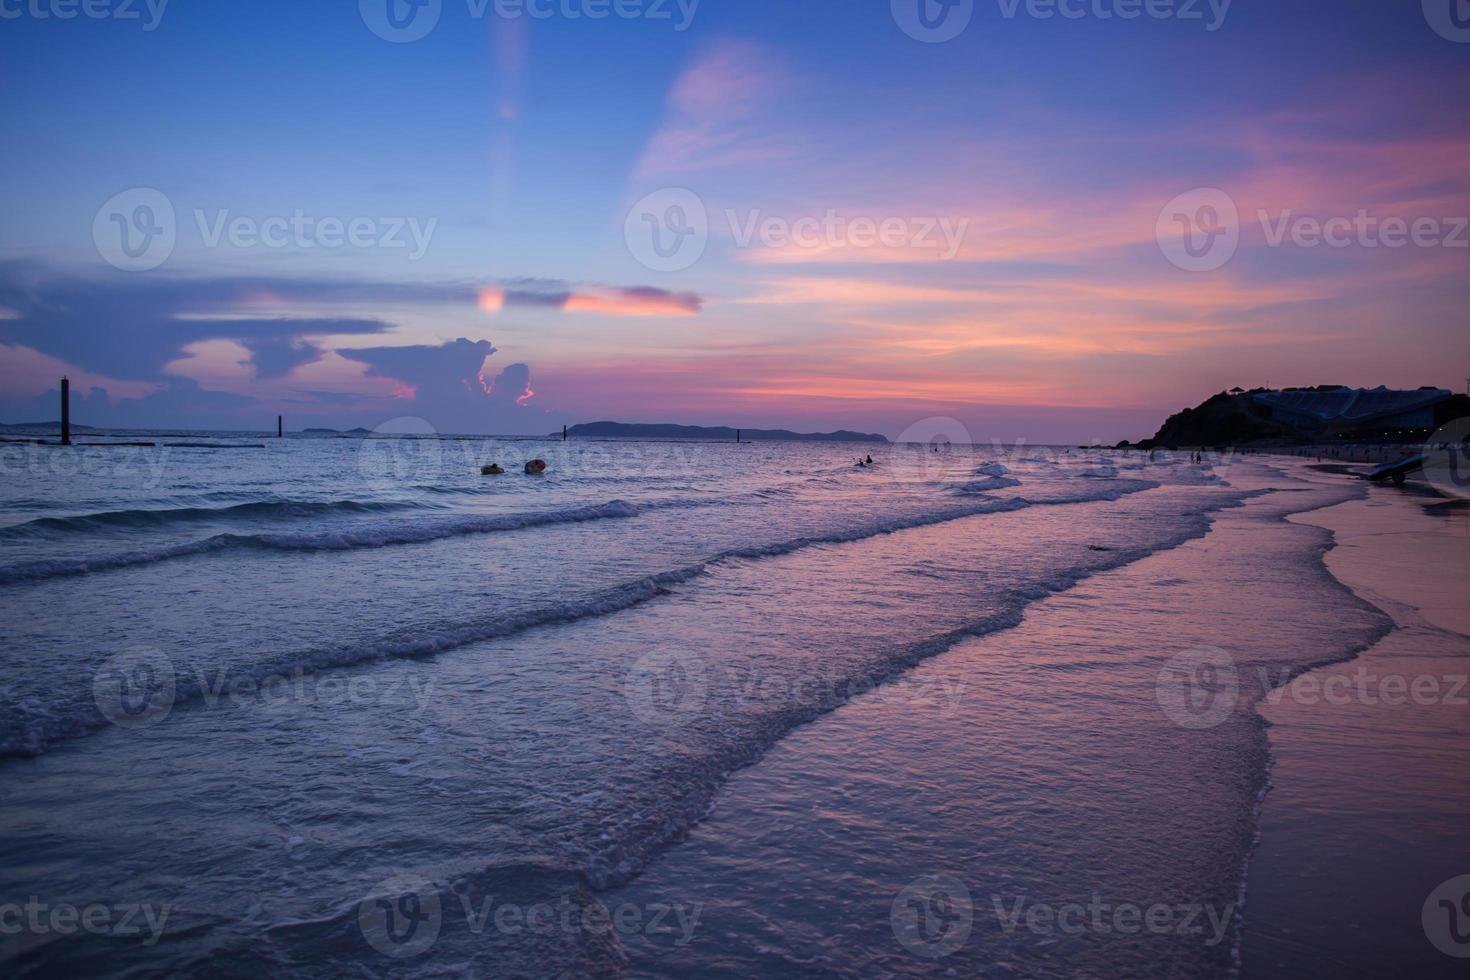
(1367, 815)
(1372, 454)
(1045, 772)
(1035, 778)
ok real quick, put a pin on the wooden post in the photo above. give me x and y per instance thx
(563, 433)
(65, 412)
(280, 427)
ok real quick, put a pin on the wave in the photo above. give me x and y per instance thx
(616, 861)
(328, 942)
(1195, 475)
(322, 539)
(493, 488)
(27, 732)
(299, 947)
(255, 510)
(344, 539)
(985, 486)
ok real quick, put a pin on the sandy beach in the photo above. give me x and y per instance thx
(1371, 454)
(1357, 826)
(1370, 789)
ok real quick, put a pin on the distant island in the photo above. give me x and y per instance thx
(1270, 417)
(718, 433)
(42, 427)
(336, 432)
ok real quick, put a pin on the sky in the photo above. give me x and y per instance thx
(1045, 220)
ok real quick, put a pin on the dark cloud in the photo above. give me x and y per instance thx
(276, 357)
(460, 359)
(512, 384)
(130, 327)
(525, 297)
(452, 388)
(178, 403)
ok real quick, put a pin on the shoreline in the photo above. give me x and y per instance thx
(1358, 452)
(1092, 727)
(1329, 849)
(1049, 762)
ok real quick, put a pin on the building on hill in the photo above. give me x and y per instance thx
(1338, 412)
(1300, 416)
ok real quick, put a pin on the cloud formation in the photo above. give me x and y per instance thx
(607, 300)
(231, 353)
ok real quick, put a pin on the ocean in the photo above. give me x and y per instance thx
(346, 707)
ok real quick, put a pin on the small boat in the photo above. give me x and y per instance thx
(1398, 472)
(536, 467)
(494, 469)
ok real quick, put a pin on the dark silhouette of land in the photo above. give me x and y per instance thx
(1324, 414)
(719, 433)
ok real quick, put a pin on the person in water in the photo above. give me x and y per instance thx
(869, 461)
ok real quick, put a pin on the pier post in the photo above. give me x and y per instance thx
(65, 412)
(280, 427)
(563, 433)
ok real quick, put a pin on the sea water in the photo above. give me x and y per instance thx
(346, 707)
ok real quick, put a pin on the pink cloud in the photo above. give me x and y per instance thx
(27, 372)
(716, 112)
(630, 301)
(226, 366)
(634, 302)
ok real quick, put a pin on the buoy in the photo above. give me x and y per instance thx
(536, 467)
(493, 469)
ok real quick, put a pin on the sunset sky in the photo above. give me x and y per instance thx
(986, 228)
